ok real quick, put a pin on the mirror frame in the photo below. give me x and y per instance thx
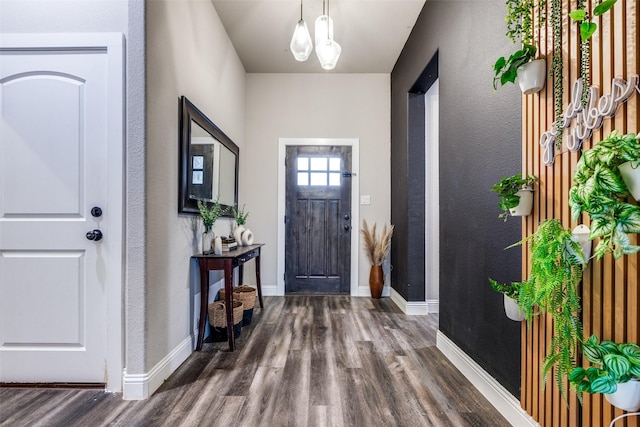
(189, 112)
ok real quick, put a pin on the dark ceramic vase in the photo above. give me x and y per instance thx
(376, 281)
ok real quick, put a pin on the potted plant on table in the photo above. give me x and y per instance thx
(602, 191)
(522, 64)
(516, 195)
(240, 217)
(614, 372)
(376, 250)
(209, 215)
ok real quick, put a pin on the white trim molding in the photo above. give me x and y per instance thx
(490, 388)
(141, 386)
(415, 308)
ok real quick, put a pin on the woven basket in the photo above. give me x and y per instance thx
(246, 294)
(218, 320)
(218, 313)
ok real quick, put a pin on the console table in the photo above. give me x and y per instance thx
(226, 261)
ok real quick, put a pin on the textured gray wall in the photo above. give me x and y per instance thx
(479, 143)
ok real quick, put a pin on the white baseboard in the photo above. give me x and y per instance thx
(491, 389)
(414, 308)
(269, 291)
(141, 386)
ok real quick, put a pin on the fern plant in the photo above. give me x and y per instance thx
(600, 191)
(557, 263)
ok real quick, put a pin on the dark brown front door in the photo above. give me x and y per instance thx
(318, 220)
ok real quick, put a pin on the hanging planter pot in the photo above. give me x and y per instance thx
(630, 172)
(526, 203)
(531, 76)
(626, 397)
(581, 235)
(512, 309)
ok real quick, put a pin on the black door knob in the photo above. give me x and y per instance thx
(96, 212)
(347, 217)
(347, 227)
(94, 235)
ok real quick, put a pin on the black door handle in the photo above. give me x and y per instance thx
(96, 212)
(94, 235)
(347, 217)
(347, 227)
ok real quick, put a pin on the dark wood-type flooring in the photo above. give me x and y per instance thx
(304, 361)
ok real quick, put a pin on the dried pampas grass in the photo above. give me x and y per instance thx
(375, 249)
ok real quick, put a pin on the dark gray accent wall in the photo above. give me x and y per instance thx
(479, 143)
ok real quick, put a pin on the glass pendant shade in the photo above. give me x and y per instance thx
(328, 52)
(323, 29)
(301, 45)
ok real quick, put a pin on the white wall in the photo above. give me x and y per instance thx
(188, 53)
(323, 105)
(45, 16)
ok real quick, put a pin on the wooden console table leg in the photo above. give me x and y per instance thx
(258, 280)
(204, 299)
(228, 301)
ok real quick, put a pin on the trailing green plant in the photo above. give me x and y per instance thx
(587, 29)
(520, 25)
(613, 364)
(600, 191)
(519, 19)
(210, 214)
(581, 16)
(557, 263)
(507, 188)
(240, 215)
(556, 70)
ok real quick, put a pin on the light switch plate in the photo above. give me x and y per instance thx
(365, 200)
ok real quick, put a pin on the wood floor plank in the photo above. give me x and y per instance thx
(304, 361)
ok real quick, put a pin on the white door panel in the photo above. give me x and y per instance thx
(54, 164)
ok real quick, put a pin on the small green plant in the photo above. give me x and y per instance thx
(600, 191)
(240, 215)
(507, 188)
(557, 263)
(511, 290)
(506, 70)
(211, 214)
(587, 29)
(613, 364)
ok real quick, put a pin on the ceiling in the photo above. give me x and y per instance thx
(372, 33)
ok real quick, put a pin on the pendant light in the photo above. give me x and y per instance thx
(327, 49)
(301, 45)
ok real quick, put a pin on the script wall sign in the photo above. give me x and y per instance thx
(589, 118)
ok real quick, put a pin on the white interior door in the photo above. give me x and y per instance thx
(59, 151)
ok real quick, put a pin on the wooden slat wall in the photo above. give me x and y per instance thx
(610, 293)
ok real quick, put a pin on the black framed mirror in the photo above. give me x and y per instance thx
(208, 162)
